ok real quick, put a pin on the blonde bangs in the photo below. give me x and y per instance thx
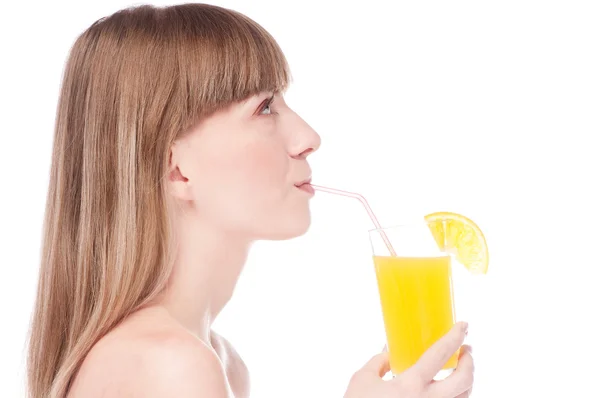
(227, 57)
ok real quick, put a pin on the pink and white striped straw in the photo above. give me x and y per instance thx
(367, 207)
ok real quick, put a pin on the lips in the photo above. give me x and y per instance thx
(305, 186)
(307, 181)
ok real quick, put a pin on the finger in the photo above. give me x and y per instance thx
(460, 381)
(434, 359)
(379, 364)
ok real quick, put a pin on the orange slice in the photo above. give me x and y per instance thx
(457, 235)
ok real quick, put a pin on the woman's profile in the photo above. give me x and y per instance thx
(174, 150)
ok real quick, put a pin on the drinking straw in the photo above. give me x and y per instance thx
(367, 207)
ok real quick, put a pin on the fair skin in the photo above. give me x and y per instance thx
(235, 179)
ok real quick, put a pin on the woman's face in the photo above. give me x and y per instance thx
(240, 169)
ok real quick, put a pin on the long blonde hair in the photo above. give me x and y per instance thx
(133, 82)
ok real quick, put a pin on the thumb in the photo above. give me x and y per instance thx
(440, 352)
(378, 365)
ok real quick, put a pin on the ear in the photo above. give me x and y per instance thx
(179, 184)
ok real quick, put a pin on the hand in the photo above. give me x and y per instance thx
(417, 381)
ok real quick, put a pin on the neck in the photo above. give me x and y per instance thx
(207, 266)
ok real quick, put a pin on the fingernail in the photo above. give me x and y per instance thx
(465, 327)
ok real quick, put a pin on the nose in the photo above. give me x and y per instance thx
(305, 140)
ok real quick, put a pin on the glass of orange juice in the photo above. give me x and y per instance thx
(414, 278)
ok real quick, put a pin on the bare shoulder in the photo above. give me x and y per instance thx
(181, 366)
(164, 361)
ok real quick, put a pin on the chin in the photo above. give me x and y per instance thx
(288, 230)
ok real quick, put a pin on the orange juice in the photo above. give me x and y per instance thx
(417, 304)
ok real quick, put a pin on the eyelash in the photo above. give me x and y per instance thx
(267, 105)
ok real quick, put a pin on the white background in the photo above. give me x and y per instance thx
(489, 109)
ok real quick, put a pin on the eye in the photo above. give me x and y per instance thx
(265, 109)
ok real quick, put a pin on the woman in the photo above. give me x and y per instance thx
(174, 151)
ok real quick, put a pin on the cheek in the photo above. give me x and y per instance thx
(262, 165)
(243, 176)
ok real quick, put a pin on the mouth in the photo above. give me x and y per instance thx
(305, 186)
